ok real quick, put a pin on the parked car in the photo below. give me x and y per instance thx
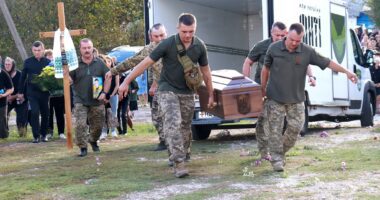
(123, 52)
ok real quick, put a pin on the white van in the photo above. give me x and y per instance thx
(231, 27)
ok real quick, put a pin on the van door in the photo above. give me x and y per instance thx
(339, 49)
(315, 16)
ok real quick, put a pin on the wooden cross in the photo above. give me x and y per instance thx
(66, 83)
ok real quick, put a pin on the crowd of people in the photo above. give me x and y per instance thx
(102, 91)
(370, 42)
(38, 107)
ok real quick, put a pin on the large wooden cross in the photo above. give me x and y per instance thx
(66, 82)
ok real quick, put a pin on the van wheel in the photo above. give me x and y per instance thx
(200, 132)
(306, 123)
(366, 117)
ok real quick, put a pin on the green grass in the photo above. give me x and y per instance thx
(125, 165)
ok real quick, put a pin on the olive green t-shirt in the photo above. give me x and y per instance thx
(286, 82)
(82, 81)
(257, 54)
(172, 75)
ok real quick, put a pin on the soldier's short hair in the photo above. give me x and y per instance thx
(279, 25)
(187, 19)
(155, 27)
(298, 27)
(38, 44)
(85, 40)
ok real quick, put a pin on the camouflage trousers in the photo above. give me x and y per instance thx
(95, 117)
(275, 112)
(177, 112)
(157, 117)
(261, 136)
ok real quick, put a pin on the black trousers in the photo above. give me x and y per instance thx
(39, 105)
(21, 113)
(4, 131)
(57, 106)
(122, 115)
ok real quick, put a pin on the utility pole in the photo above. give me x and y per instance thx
(12, 28)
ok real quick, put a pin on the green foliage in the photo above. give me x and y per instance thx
(47, 82)
(109, 23)
(375, 10)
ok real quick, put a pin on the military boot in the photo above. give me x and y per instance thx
(180, 170)
(278, 166)
(187, 158)
(83, 152)
(95, 147)
(161, 146)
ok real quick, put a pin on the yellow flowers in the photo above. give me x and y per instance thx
(47, 82)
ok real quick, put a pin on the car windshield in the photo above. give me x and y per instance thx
(121, 54)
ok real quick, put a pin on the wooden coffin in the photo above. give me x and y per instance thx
(236, 96)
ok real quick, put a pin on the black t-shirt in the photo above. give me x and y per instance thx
(5, 84)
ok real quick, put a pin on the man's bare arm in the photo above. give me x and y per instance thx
(206, 72)
(338, 68)
(264, 80)
(247, 67)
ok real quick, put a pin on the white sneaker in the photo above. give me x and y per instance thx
(114, 134)
(62, 136)
(103, 136)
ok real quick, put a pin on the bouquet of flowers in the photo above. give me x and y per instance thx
(47, 82)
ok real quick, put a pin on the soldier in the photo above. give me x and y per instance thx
(87, 107)
(257, 54)
(176, 99)
(283, 86)
(156, 34)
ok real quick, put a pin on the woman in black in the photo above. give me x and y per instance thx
(6, 89)
(20, 107)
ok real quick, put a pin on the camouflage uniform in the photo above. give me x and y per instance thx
(157, 118)
(262, 138)
(82, 113)
(257, 55)
(177, 111)
(279, 144)
(136, 59)
(156, 69)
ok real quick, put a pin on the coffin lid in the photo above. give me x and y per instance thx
(227, 79)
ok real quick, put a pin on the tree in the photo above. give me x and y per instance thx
(375, 10)
(109, 23)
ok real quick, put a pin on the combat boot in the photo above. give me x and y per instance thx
(95, 147)
(170, 163)
(187, 158)
(161, 146)
(83, 152)
(180, 171)
(278, 166)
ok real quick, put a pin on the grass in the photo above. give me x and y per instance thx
(127, 165)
